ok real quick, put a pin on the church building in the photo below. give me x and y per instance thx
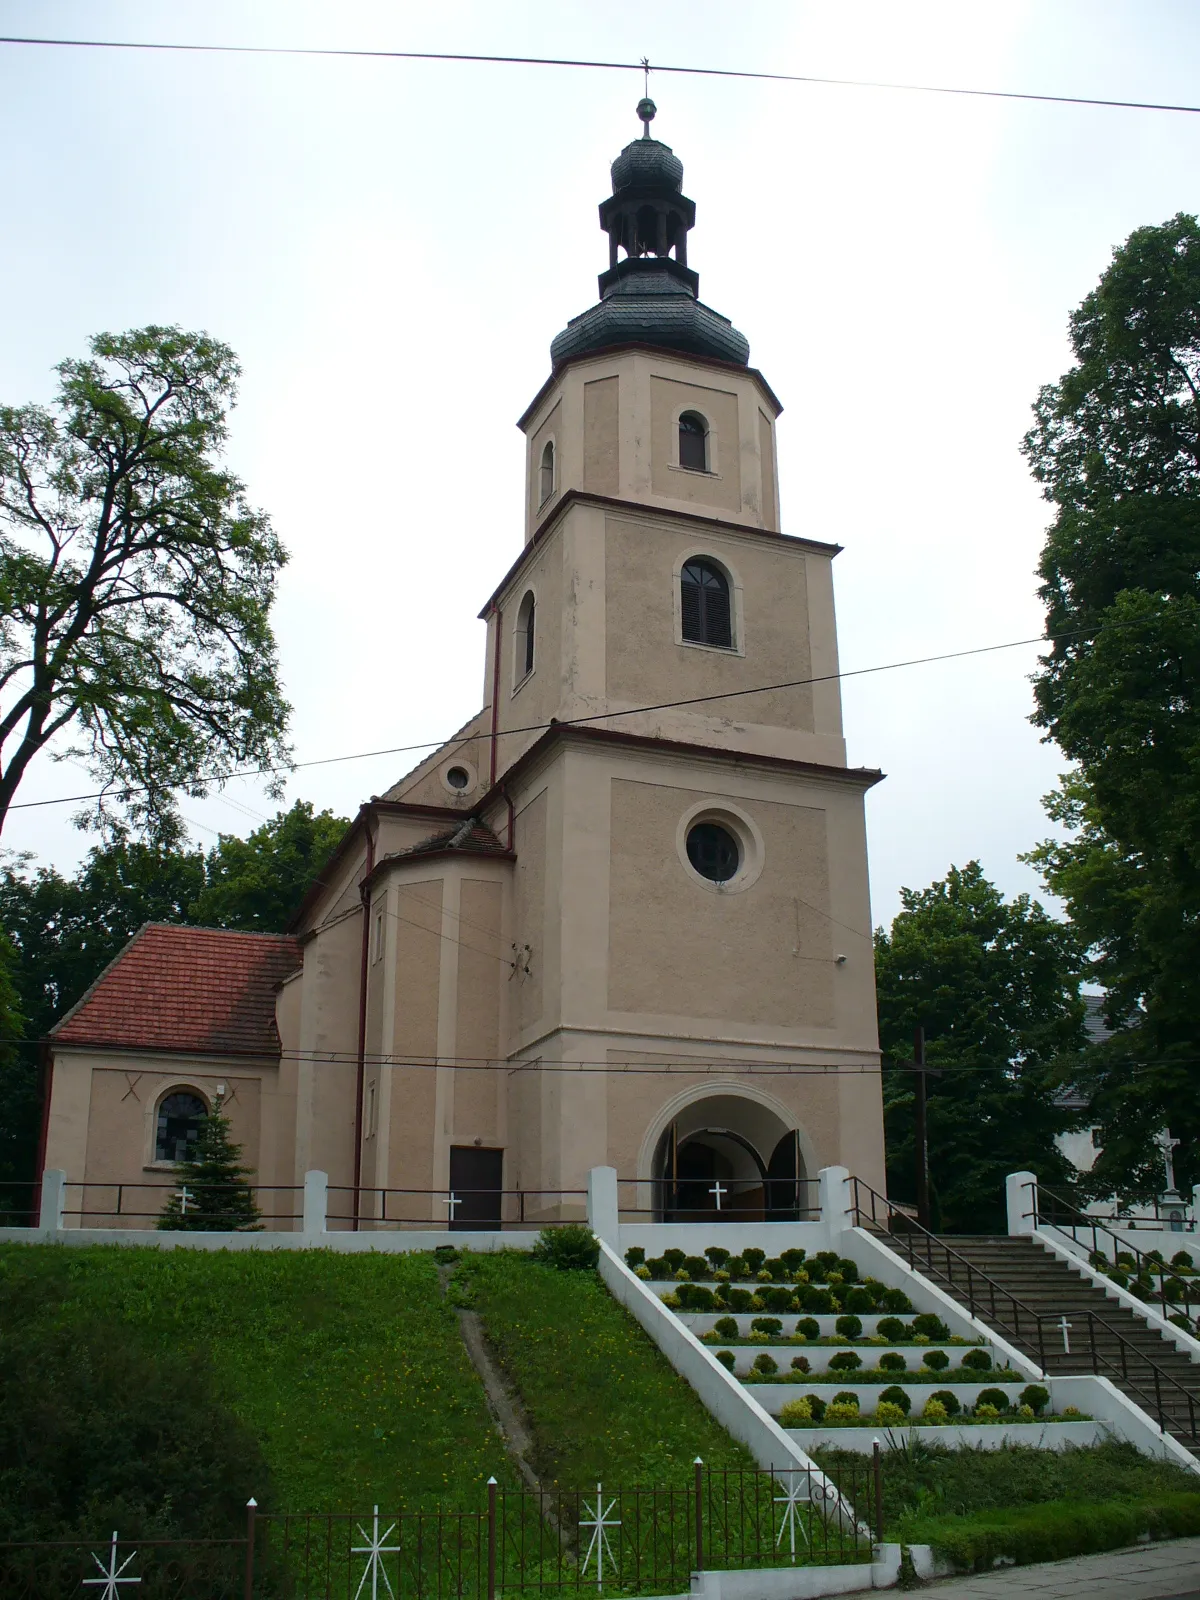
(621, 917)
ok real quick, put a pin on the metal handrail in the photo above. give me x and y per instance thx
(1097, 1227)
(972, 1273)
(1160, 1376)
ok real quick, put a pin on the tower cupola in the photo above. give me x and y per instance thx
(649, 295)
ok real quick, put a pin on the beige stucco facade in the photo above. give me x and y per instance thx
(512, 951)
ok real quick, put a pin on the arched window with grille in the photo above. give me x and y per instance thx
(546, 473)
(705, 604)
(179, 1117)
(693, 442)
(526, 637)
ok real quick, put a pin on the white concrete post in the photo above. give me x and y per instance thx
(602, 1210)
(833, 1186)
(1195, 1207)
(54, 1183)
(316, 1201)
(1020, 1192)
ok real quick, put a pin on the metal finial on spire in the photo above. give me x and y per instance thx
(646, 109)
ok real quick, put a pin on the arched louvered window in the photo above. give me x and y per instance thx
(526, 633)
(546, 484)
(693, 442)
(179, 1118)
(707, 616)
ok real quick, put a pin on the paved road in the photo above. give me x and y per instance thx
(1168, 1571)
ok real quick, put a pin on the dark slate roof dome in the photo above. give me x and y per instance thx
(645, 164)
(652, 307)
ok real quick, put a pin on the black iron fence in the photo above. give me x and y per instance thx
(710, 1200)
(18, 1204)
(212, 1206)
(515, 1542)
(1151, 1274)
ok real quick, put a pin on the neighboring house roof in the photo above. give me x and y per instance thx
(1097, 1030)
(204, 991)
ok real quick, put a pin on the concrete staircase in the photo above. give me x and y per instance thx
(1145, 1365)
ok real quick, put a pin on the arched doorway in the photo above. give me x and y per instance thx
(727, 1158)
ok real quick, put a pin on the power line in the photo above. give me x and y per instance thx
(464, 58)
(458, 741)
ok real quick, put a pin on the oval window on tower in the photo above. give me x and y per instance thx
(713, 851)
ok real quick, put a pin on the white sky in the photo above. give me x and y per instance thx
(391, 246)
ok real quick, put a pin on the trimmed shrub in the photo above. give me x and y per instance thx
(949, 1399)
(674, 1259)
(896, 1300)
(695, 1297)
(816, 1269)
(658, 1267)
(987, 1412)
(860, 1300)
(796, 1414)
(894, 1395)
(1035, 1397)
(845, 1361)
(642, 1272)
(809, 1327)
(1026, 1413)
(935, 1360)
(889, 1413)
(726, 1327)
(935, 1411)
(717, 1258)
(754, 1258)
(736, 1268)
(774, 1265)
(932, 1327)
(843, 1408)
(766, 1364)
(818, 1406)
(727, 1359)
(793, 1260)
(977, 1360)
(814, 1299)
(573, 1248)
(892, 1361)
(847, 1269)
(993, 1397)
(740, 1300)
(757, 1337)
(762, 1276)
(682, 1275)
(766, 1325)
(696, 1268)
(1181, 1261)
(778, 1298)
(892, 1328)
(827, 1258)
(634, 1256)
(801, 1364)
(849, 1327)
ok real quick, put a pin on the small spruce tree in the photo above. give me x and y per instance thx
(214, 1193)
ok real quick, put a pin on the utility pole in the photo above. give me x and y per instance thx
(921, 1108)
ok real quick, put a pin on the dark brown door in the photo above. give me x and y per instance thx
(476, 1179)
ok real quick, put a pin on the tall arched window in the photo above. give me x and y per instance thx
(546, 484)
(704, 593)
(526, 632)
(179, 1118)
(693, 442)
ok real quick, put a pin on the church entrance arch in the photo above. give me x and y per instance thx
(729, 1158)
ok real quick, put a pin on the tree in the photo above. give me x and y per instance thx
(258, 883)
(1116, 446)
(214, 1188)
(994, 983)
(18, 1094)
(135, 580)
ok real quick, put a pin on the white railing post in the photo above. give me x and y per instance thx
(833, 1187)
(1020, 1193)
(54, 1183)
(316, 1202)
(1194, 1209)
(602, 1212)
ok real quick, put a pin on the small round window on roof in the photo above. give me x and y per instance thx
(458, 778)
(713, 851)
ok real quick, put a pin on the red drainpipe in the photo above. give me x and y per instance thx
(46, 1063)
(499, 616)
(364, 961)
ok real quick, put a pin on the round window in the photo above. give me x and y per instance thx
(458, 778)
(713, 851)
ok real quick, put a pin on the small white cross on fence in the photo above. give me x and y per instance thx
(717, 1190)
(110, 1576)
(599, 1523)
(453, 1202)
(374, 1550)
(791, 1515)
(183, 1195)
(1065, 1327)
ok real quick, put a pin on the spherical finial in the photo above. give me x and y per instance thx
(646, 110)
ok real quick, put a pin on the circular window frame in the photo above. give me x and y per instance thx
(743, 828)
(471, 784)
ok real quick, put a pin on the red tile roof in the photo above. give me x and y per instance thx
(197, 990)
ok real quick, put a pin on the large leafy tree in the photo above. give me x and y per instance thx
(135, 580)
(994, 984)
(259, 882)
(1116, 446)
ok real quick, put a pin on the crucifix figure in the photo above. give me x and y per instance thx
(453, 1202)
(1166, 1146)
(1065, 1327)
(183, 1195)
(717, 1190)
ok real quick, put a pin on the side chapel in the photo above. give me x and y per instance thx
(622, 916)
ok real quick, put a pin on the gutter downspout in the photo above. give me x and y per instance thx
(46, 1075)
(499, 616)
(364, 961)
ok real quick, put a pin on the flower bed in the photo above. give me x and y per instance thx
(754, 1281)
(1176, 1282)
(942, 1409)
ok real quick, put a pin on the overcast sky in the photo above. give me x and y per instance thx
(390, 247)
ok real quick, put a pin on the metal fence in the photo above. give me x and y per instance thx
(459, 1209)
(601, 1540)
(712, 1200)
(209, 1206)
